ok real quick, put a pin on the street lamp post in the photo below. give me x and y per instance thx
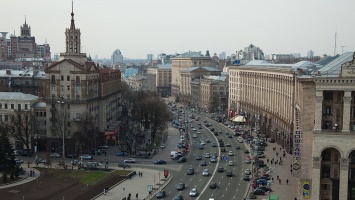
(62, 102)
(36, 136)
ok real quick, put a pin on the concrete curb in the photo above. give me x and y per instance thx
(160, 188)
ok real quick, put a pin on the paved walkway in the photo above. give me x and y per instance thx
(285, 191)
(24, 178)
(137, 185)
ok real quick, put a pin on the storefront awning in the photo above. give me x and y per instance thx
(238, 119)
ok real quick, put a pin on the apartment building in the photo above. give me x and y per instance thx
(159, 79)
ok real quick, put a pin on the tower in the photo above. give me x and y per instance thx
(73, 41)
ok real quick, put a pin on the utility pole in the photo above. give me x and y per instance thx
(342, 49)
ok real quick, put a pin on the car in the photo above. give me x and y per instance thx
(207, 155)
(228, 145)
(162, 146)
(231, 163)
(246, 178)
(203, 163)
(230, 136)
(205, 172)
(213, 159)
(223, 150)
(247, 172)
(161, 194)
(266, 189)
(122, 153)
(190, 171)
(123, 165)
(230, 153)
(271, 140)
(180, 186)
(220, 169)
(213, 185)
(260, 156)
(160, 162)
(238, 147)
(18, 161)
(76, 162)
(193, 192)
(129, 160)
(246, 151)
(178, 197)
(247, 161)
(86, 157)
(198, 132)
(194, 129)
(182, 160)
(212, 129)
(203, 142)
(229, 173)
(55, 155)
(194, 135)
(199, 127)
(252, 195)
(213, 144)
(40, 160)
(103, 147)
(240, 140)
(198, 157)
(259, 192)
(261, 182)
(208, 141)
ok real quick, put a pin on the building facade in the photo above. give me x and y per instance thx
(116, 57)
(308, 108)
(159, 79)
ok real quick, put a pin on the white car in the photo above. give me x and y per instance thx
(205, 172)
(203, 142)
(130, 160)
(194, 136)
(193, 192)
(198, 132)
(247, 172)
(207, 155)
(162, 146)
(230, 153)
(240, 140)
(230, 163)
(194, 129)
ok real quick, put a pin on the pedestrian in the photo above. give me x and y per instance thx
(130, 175)
(33, 172)
(279, 180)
(287, 181)
(124, 167)
(30, 173)
(280, 148)
(284, 155)
(28, 164)
(271, 161)
(280, 158)
(141, 174)
(291, 166)
(137, 196)
(267, 160)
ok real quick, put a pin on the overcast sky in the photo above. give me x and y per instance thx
(140, 27)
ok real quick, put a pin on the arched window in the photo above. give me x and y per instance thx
(53, 79)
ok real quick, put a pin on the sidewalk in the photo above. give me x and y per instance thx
(137, 185)
(285, 191)
(24, 178)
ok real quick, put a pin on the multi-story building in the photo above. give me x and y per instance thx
(44, 52)
(3, 46)
(80, 97)
(159, 79)
(308, 108)
(28, 80)
(183, 61)
(26, 44)
(310, 54)
(116, 57)
(137, 82)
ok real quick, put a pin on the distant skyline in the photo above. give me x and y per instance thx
(140, 27)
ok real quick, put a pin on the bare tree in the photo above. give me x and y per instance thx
(21, 126)
(85, 135)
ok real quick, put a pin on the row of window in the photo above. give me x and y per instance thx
(12, 106)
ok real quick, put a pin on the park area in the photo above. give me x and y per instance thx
(64, 184)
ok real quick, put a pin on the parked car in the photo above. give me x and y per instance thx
(55, 155)
(213, 160)
(198, 157)
(246, 178)
(103, 147)
(247, 172)
(203, 163)
(18, 161)
(182, 160)
(230, 153)
(220, 169)
(123, 165)
(160, 162)
(231, 163)
(193, 192)
(261, 182)
(86, 157)
(40, 160)
(162, 146)
(122, 153)
(76, 162)
(129, 160)
(259, 192)
(266, 189)
(72, 156)
(161, 194)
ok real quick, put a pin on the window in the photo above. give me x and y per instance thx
(328, 95)
(53, 79)
(326, 154)
(5, 105)
(26, 107)
(327, 111)
(0, 105)
(68, 87)
(325, 186)
(325, 172)
(53, 87)
(0, 118)
(12, 106)
(68, 78)
(6, 118)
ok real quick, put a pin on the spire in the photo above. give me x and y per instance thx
(25, 20)
(72, 25)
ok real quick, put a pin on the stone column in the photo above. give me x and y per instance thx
(344, 178)
(318, 111)
(315, 189)
(346, 112)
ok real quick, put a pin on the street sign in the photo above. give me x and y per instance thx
(150, 188)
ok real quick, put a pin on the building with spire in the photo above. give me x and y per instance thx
(26, 44)
(82, 99)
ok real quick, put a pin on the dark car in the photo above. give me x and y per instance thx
(213, 185)
(161, 194)
(266, 189)
(122, 153)
(190, 171)
(220, 169)
(271, 140)
(212, 129)
(237, 147)
(259, 192)
(246, 151)
(198, 157)
(203, 163)
(213, 160)
(229, 173)
(246, 178)
(178, 197)
(180, 186)
(160, 162)
(223, 150)
(182, 160)
(261, 182)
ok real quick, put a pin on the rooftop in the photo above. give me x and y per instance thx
(17, 96)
